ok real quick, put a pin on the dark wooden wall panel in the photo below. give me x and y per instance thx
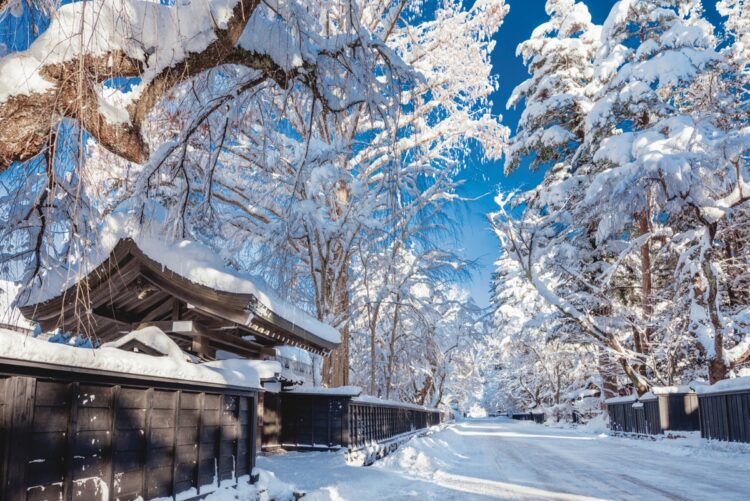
(186, 445)
(77, 440)
(4, 427)
(272, 422)
(653, 417)
(46, 468)
(725, 416)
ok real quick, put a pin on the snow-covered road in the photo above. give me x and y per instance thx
(502, 459)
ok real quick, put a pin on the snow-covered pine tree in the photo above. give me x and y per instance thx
(736, 72)
(553, 241)
(556, 97)
(662, 156)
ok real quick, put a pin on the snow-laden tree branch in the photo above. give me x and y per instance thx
(520, 241)
(90, 43)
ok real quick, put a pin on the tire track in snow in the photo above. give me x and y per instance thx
(608, 457)
(554, 474)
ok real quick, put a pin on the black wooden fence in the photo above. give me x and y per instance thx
(725, 415)
(679, 411)
(370, 422)
(91, 435)
(653, 414)
(622, 415)
(322, 421)
(537, 417)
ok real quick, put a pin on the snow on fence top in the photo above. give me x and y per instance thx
(368, 399)
(727, 385)
(243, 373)
(582, 393)
(356, 393)
(189, 259)
(622, 400)
(667, 390)
(341, 391)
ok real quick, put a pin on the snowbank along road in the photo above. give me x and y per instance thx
(503, 459)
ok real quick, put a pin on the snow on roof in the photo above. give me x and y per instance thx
(189, 259)
(341, 391)
(621, 400)
(239, 367)
(154, 338)
(294, 353)
(17, 346)
(200, 265)
(736, 384)
(9, 314)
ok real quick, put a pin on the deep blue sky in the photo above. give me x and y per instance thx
(477, 240)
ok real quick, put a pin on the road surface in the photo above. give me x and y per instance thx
(503, 459)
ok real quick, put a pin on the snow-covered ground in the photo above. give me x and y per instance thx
(503, 459)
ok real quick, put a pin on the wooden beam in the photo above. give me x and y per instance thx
(132, 300)
(109, 311)
(193, 331)
(109, 289)
(199, 346)
(159, 310)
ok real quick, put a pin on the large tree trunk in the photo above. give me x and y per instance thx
(373, 360)
(336, 365)
(718, 366)
(392, 347)
(641, 338)
(646, 286)
(373, 324)
(608, 370)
